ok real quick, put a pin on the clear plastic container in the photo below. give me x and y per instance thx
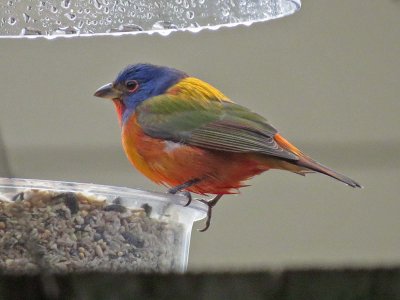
(68, 227)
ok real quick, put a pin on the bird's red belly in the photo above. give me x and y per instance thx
(172, 164)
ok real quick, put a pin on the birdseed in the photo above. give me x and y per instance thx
(65, 232)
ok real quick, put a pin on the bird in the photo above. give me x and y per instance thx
(183, 133)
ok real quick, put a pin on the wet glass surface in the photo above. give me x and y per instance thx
(68, 17)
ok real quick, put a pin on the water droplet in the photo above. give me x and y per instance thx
(29, 7)
(87, 10)
(190, 14)
(30, 31)
(164, 32)
(97, 4)
(70, 16)
(67, 30)
(80, 24)
(164, 25)
(26, 17)
(202, 1)
(10, 3)
(233, 19)
(132, 27)
(11, 20)
(127, 28)
(54, 9)
(225, 12)
(106, 10)
(65, 3)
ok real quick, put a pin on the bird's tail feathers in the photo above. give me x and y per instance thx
(311, 164)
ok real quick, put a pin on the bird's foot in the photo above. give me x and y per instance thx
(180, 189)
(210, 203)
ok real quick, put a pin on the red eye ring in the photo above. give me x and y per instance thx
(131, 85)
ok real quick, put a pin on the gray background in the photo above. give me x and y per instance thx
(327, 77)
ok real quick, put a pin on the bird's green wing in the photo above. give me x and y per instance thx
(217, 125)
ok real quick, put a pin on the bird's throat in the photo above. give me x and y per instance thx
(120, 108)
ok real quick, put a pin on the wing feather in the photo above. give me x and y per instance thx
(212, 124)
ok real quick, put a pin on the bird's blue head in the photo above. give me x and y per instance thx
(136, 83)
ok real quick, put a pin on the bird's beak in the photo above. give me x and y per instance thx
(108, 91)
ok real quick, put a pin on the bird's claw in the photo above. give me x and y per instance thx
(187, 194)
(209, 214)
(211, 203)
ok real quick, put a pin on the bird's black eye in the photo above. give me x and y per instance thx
(131, 85)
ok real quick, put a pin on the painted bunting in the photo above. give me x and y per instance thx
(184, 133)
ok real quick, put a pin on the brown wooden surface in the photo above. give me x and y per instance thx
(297, 284)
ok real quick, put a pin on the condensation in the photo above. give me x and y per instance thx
(69, 17)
